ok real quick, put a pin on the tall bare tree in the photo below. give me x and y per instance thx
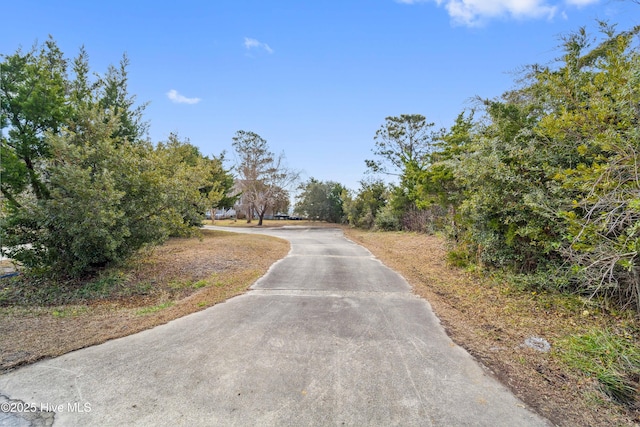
(262, 176)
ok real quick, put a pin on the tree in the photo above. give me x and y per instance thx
(189, 182)
(80, 188)
(321, 201)
(281, 201)
(550, 178)
(262, 176)
(32, 102)
(602, 123)
(114, 97)
(438, 183)
(402, 142)
(220, 188)
(81, 225)
(36, 98)
(403, 148)
(505, 185)
(370, 199)
(107, 199)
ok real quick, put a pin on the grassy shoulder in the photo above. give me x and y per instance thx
(493, 318)
(40, 319)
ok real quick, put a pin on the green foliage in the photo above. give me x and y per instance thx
(219, 189)
(603, 221)
(114, 97)
(102, 286)
(438, 182)
(106, 200)
(187, 182)
(69, 311)
(611, 358)
(387, 219)
(154, 309)
(404, 147)
(546, 176)
(321, 201)
(401, 142)
(371, 197)
(554, 279)
(33, 102)
(509, 201)
(459, 258)
(549, 175)
(200, 284)
(81, 189)
(182, 284)
(28, 290)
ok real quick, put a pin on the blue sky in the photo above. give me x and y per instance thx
(316, 79)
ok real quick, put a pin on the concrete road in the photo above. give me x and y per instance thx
(328, 337)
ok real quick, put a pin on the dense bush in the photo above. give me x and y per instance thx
(387, 219)
(81, 187)
(321, 201)
(542, 178)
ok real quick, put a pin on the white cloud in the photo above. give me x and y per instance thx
(476, 12)
(581, 3)
(174, 96)
(250, 43)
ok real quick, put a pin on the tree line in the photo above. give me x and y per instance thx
(82, 186)
(543, 181)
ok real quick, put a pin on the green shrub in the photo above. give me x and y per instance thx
(611, 358)
(387, 220)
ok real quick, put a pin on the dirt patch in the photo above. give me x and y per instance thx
(492, 320)
(181, 277)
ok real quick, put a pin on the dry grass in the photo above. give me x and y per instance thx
(492, 319)
(178, 278)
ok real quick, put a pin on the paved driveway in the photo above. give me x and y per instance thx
(329, 336)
